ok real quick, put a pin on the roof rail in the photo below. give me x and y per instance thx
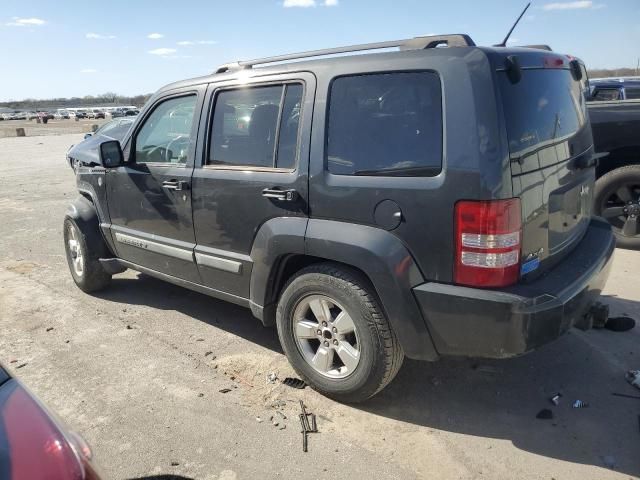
(417, 43)
(539, 47)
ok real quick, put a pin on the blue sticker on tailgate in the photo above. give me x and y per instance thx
(529, 266)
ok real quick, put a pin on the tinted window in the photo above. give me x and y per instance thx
(543, 108)
(165, 135)
(255, 127)
(385, 124)
(632, 93)
(606, 94)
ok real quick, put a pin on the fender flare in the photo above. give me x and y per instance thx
(84, 213)
(379, 254)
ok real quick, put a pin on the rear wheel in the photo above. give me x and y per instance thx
(83, 259)
(617, 199)
(335, 334)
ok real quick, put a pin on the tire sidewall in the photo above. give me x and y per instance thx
(69, 223)
(608, 184)
(371, 364)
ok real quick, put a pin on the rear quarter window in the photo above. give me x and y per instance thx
(387, 124)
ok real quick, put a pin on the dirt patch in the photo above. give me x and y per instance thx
(24, 268)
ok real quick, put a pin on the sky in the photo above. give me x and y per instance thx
(68, 48)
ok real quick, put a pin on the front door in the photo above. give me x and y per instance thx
(149, 198)
(253, 168)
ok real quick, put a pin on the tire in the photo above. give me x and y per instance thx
(617, 199)
(339, 289)
(82, 258)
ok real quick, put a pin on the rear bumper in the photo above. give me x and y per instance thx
(510, 322)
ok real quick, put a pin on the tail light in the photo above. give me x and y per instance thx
(36, 447)
(488, 237)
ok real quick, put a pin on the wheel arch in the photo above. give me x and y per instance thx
(285, 246)
(84, 213)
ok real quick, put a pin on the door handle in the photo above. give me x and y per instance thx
(176, 185)
(279, 194)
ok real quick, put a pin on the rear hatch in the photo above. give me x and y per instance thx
(551, 154)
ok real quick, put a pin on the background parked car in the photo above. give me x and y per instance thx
(33, 444)
(610, 89)
(97, 113)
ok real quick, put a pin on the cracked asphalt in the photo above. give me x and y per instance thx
(138, 368)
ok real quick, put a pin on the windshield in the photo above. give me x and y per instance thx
(544, 108)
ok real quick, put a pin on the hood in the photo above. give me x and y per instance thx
(88, 151)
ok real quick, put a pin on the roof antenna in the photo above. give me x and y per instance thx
(504, 42)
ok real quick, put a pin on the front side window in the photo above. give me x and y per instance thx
(256, 127)
(385, 124)
(166, 133)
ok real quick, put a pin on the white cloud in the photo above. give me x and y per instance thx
(155, 36)
(330, 3)
(163, 52)
(299, 3)
(97, 36)
(185, 43)
(88, 70)
(25, 22)
(576, 5)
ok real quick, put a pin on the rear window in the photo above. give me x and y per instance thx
(385, 124)
(544, 108)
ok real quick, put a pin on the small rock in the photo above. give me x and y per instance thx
(49, 329)
(282, 427)
(129, 327)
(275, 424)
(225, 390)
(66, 341)
(258, 419)
(175, 464)
(232, 377)
(209, 353)
(21, 365)
(13, 361)
(199, 339)
(201, 395)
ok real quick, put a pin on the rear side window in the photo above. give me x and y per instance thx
(606, 94)
(632, 93)
(256, 127)
(385, 124)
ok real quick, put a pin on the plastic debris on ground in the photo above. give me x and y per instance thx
(633, 377)
(294, 383)
(580, 404)
(544, 414)
(620, 324)
(272, 377)
(556, 399)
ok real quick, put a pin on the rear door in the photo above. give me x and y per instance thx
(149, 198)
(254, 167)
(551, 156)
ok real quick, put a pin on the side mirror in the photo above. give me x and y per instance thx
(111, 154)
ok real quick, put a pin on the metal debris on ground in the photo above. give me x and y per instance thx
(633, 377)
(225, 390)
(580, 404)
(306, 427)
(294, 383)
(620, 324)
(556, 399)
(49, 329)
(637, 397)
(544, 414)
(272, 377)
(21, 365)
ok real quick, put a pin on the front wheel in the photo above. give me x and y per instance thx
(617, 199)
(83, 259)
(335, 334)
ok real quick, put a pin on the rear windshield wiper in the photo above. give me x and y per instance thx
(401, 172)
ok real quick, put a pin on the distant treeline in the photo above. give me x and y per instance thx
(616, 72)
(103, 100)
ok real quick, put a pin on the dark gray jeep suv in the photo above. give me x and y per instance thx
(420, 202)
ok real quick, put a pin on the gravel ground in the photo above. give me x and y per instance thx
(138, 370)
